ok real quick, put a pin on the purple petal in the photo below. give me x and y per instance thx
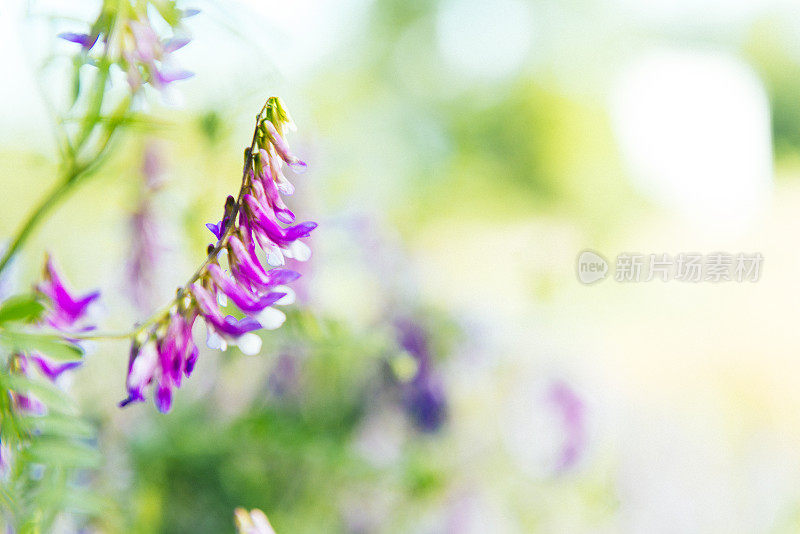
(299, 167)
(240, 327)
(66, 309)
(279, 277)
(225, 326)
(84, 39)
(215, 229)
(163, 397)
(164, 78)
(240, 295)
(50, 369)
(191, 361)
(176, 43)
(293, 233)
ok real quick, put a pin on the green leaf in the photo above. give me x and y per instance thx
(45, 392)
(54, 424)
(84, 502)
(21, 308)
(50, 345)
(63, 452)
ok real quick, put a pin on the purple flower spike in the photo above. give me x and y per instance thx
(256, 220)
(190, 12)
(424, 396)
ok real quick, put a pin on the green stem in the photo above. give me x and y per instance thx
(36, 217)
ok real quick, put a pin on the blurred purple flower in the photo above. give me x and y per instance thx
(143, 266)
(572, 412)
(423, 396)
(64, 312)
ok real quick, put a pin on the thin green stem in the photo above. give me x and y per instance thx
(74, 171)
(36, 216)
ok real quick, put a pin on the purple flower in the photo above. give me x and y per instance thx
(149, 54)
(64, 312)
(244, 299)
(167, 352)
(163, 363)
(423, 396)
(65, 309)
(282, 148)
(51, 369)
(267, 228)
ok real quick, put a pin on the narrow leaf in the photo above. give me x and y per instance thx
(21, 308)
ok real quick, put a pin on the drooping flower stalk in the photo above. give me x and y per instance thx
(163, 350)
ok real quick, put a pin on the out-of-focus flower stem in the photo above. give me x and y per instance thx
(75, 169)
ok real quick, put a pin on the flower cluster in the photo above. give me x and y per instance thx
(64, 313)
(135, 45)
(164, 351)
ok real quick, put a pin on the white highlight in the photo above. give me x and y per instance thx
(694, 129)
(485, 38)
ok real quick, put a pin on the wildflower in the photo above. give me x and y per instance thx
(232, 273)
(423, 395)
(64, 312)
(253, 522)
(136, 47)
